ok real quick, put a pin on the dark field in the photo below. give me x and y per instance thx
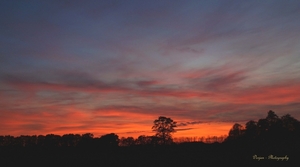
(185, 154)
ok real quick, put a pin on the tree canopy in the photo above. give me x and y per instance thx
(164, 127)
(270, 128)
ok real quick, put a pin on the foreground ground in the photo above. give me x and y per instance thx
(185, 154)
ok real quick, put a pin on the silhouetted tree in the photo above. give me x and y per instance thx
(291, 127)
(272, 130)
(70, 140)
(251, 130)
(26, 141)
(236, 131)
(111, 140)
(87, 140)
(8, 140)
(88, 136)
(129, 141)
(274, 122)
(263, 127)
(155, 140)
(272, 117)
(143, 140)
(290, 123)
(163, 127)
(52, 140)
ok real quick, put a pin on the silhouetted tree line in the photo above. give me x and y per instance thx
(163, 127)
(88, 140)
(270, 129)
(77, 140)
(272, 135)
(67, 140)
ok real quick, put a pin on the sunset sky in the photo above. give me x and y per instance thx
(115, 66)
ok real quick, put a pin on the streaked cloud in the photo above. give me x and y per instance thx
(102, 67)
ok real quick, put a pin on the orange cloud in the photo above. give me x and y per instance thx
(129, 107)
